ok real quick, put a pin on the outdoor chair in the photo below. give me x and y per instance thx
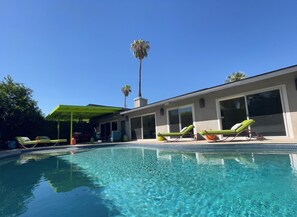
(26, 143)
(52, 141)
(236, 130)
(181, 134)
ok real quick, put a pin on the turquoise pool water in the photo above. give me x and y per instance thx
(147, 182)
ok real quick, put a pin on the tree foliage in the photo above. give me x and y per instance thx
(126, 90)
(140, 50)
(19, 113)
(235, 76)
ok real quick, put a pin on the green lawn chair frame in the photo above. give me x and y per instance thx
(52, 141)
(181, 134)
(26, 143)
(242, 129)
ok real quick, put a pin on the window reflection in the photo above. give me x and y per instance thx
(266, 109)
(180, 118)
(136, 128)
(149, 127)
(293, 161)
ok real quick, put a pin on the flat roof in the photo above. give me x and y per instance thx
(63, 112)
(220, 87)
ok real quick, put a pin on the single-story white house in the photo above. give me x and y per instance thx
(269, 98)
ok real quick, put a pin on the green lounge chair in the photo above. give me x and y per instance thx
(182, 133)
(52, 141)
(235, 131)
(26, 143)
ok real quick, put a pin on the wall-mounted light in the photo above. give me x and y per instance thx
(202, 102)
(126, 118)
(161, 111)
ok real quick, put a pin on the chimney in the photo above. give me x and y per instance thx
(139, 102)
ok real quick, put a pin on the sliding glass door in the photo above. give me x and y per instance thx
(264, 107)
(232, 111)
(174, 125)
(143, 127)
(180, 118)
(136, 128)
(149, 127)
(105, 131)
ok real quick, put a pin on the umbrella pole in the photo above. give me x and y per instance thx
(71, 126)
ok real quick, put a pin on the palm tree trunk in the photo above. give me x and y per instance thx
(139, 82)
(125, 105)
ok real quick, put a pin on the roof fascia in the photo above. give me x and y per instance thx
(221, 87)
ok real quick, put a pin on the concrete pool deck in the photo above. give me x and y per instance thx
(273, 145)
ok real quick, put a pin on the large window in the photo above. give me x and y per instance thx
(232, 111)
(114, 126)
(174, 125)
(143, 127)
(180, 118)
(265, 108)
(105, 131)
(123, 127)
(106, 128)
(136, 128)
(149, 127)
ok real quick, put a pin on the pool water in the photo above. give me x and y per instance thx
(149, 182)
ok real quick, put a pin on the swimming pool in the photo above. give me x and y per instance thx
(129, 181)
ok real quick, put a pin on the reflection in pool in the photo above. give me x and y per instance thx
(147, 182)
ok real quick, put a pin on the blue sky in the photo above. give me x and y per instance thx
(77, 52)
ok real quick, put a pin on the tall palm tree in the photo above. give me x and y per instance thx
(140, 49)
(126, 90)
(235, 76)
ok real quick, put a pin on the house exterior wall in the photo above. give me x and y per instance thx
(291, 89)
(153, 110)
(208, 117)
(113, 118)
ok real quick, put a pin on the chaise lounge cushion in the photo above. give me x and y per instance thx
(42, 138)
(48, 140)
(183, 132)
(236, 126)
(25, 139)
(204, 132)
(241, 128)
(183, 129)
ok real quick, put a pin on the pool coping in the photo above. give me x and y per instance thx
(276, 147)
(256, 148)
